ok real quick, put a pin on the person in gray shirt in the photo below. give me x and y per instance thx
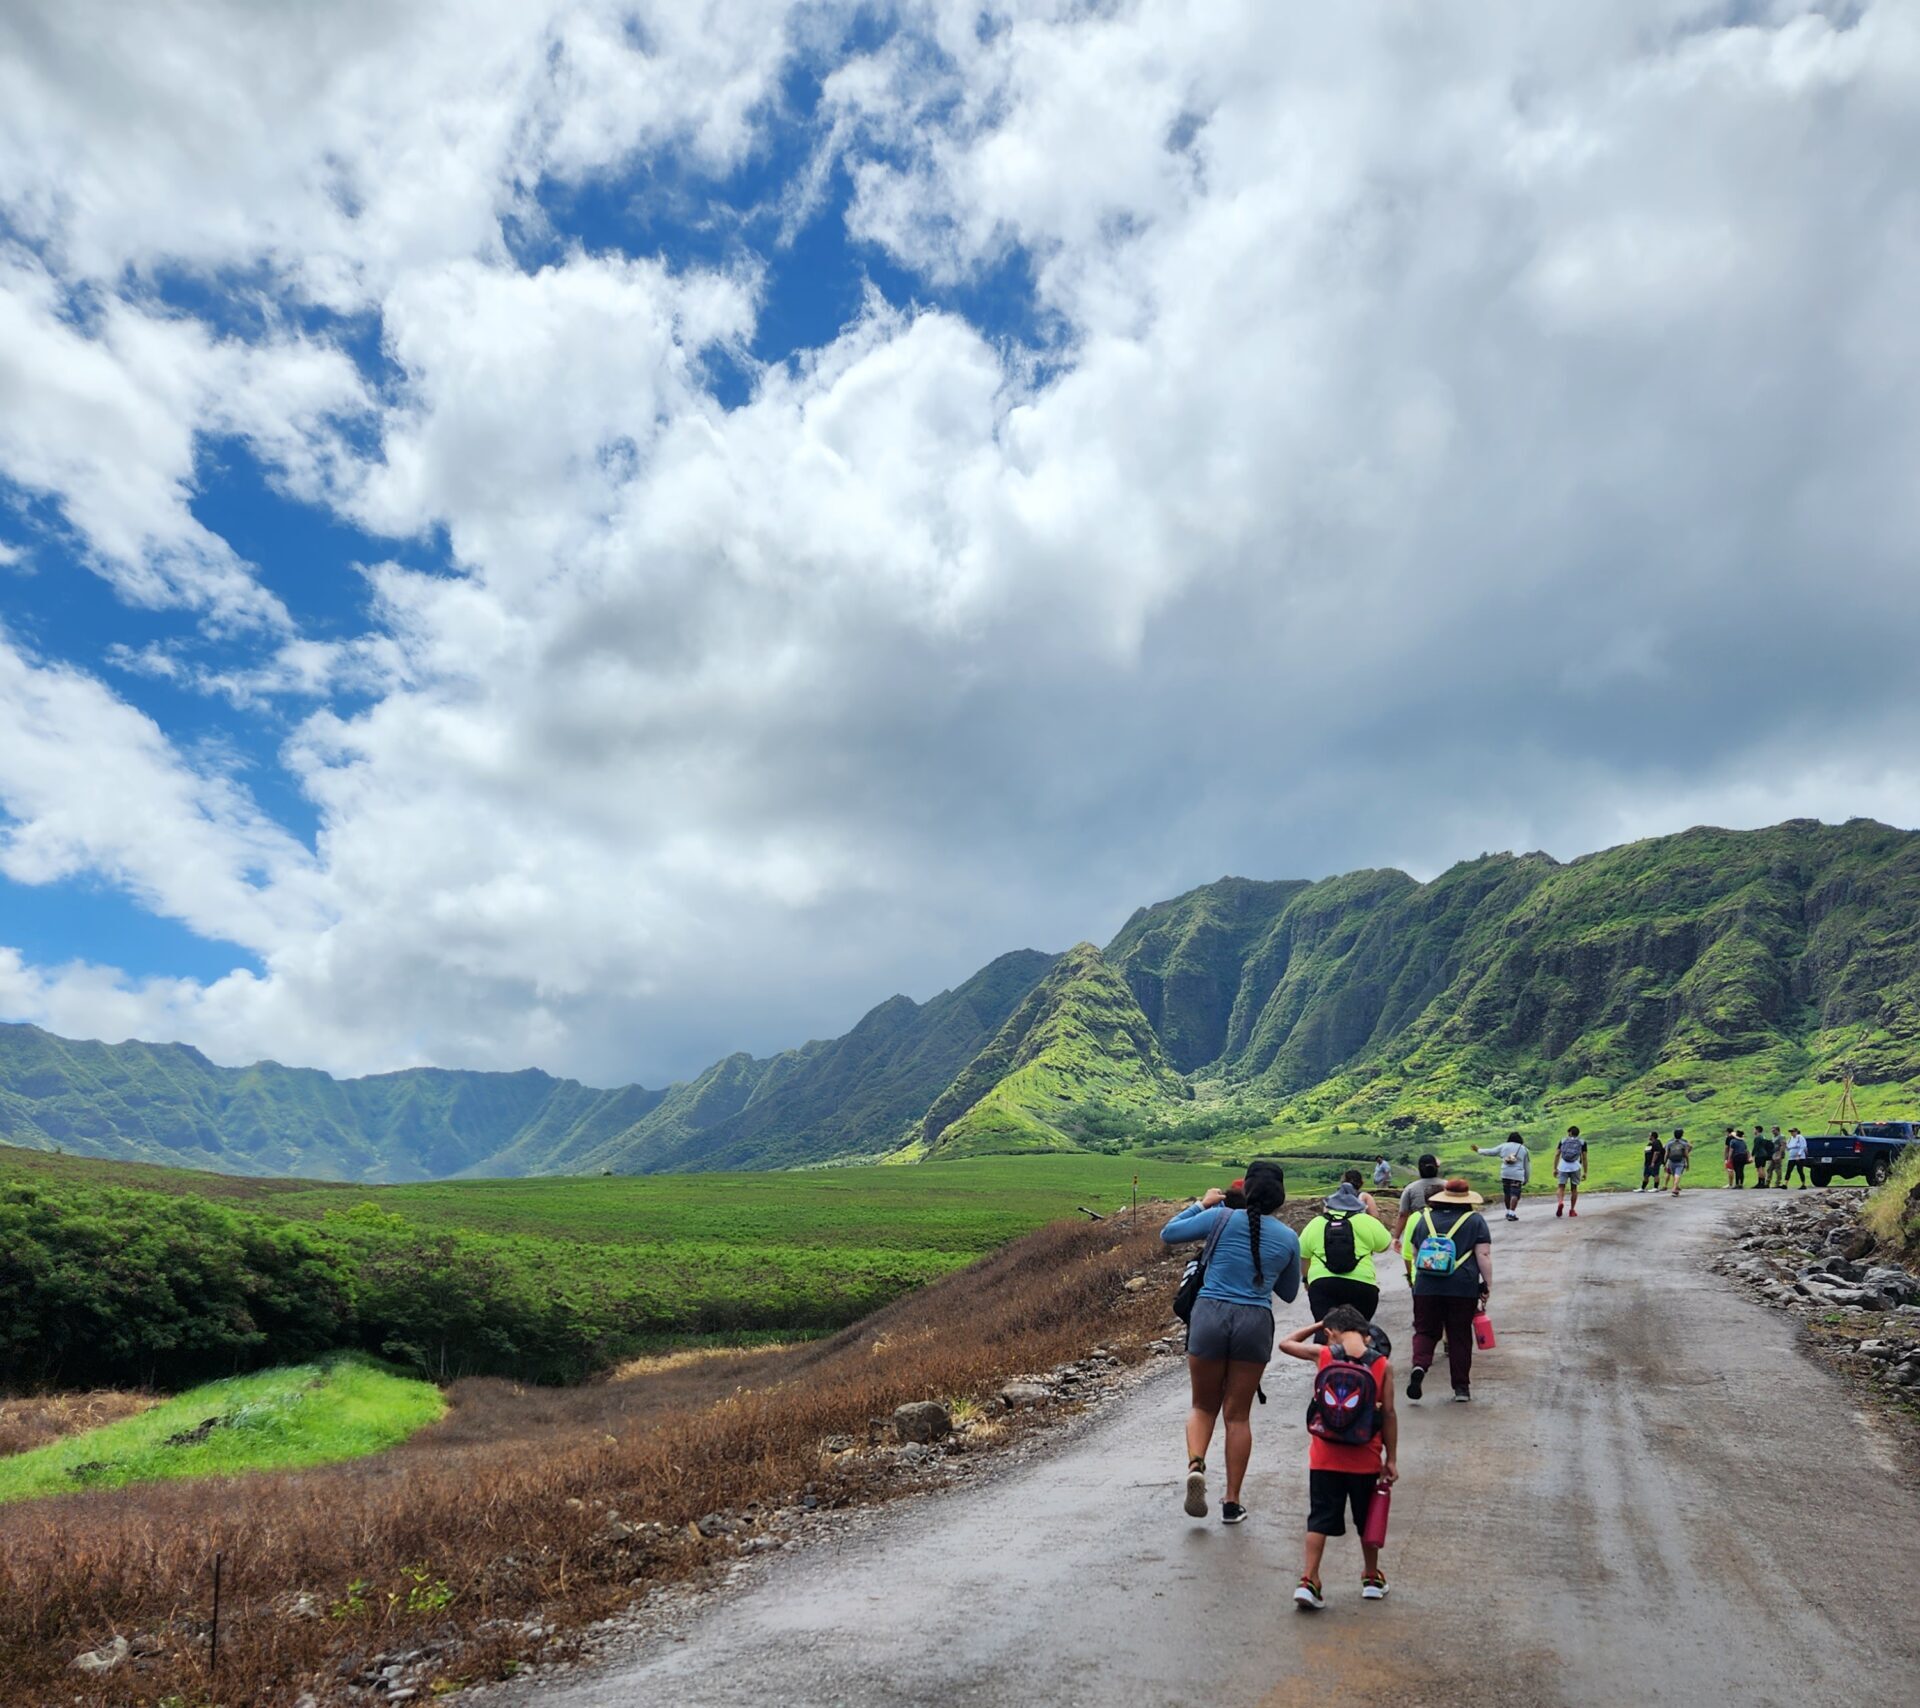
(1515, 1165)
(1413, 1199)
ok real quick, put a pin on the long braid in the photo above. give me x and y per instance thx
(1266, 1192)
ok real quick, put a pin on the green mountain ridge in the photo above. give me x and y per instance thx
(167, 1103)
(1658, 974)
(1078, 1042)
(1678, 974)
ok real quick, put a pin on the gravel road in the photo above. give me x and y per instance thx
(1654, 1498)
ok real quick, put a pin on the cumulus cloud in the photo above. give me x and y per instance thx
(1424, 433)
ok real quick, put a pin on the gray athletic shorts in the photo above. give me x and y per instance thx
(1243, 1333)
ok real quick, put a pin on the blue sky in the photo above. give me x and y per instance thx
(598, 535)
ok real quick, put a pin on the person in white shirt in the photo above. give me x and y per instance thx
(1796, 1157)
(1516, 1163)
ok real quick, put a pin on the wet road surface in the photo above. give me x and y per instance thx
(1654, 1498)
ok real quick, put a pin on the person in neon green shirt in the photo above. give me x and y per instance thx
(1327, 1284)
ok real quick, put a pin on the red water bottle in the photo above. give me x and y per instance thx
(1373, 1534)
(1483, 1331)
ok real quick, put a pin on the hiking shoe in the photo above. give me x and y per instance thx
(1232, 1512)
(1461, 1396)
(1414, 1378)
(1196, 1491)
(1308, 1596)
(1373, 1586)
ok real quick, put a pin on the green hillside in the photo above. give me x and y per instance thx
(847, 1097)
(167, 1104)
(1079, 1045)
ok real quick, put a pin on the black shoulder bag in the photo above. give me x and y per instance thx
(1196, 1272)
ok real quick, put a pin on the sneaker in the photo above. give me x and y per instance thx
(1308, 1596)
(1232, 1512)
(1196, 1491)
(1573, 1212)
(1559, 1209)
(1414, 1378)
(1461, 1396)
(1513, 1216)
(1373, 1586)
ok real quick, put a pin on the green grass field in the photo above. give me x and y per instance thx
(945, 1210)
(308, 1414)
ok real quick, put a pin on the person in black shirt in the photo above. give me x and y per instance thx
(1446, 1294)
(1653, 1162)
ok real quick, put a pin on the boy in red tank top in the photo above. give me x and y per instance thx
(1353, 1439)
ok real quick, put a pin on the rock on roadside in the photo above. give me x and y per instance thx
(922, 1422)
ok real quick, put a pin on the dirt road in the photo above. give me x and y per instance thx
(1653, 1498)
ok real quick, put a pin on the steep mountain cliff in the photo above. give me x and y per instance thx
(1079, 1042)
(1684, 964)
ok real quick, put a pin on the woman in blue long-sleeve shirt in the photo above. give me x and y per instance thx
(1230, 1338)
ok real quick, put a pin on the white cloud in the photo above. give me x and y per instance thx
(1487, 427)
(88, 785)
(106, 418)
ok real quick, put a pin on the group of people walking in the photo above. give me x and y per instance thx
(1444, 1246)
(1250, 1257)
(1775, 1158)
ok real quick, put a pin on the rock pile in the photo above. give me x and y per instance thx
(1809, 1254)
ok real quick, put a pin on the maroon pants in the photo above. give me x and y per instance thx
(1433, 1317)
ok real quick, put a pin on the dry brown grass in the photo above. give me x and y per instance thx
(34, 1421)
(505, 1501)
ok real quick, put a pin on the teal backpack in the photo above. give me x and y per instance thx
(1437, 1254)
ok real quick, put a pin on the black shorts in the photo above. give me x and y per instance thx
(1330, 1493)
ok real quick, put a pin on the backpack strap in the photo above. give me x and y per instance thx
(1213, 1239)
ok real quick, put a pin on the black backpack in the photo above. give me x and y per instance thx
(1339, 1251)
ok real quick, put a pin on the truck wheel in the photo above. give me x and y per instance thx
(1821, 1176)
(1878, 1170)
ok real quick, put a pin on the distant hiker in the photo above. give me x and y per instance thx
(1353, 1442)
(1413, 1198)
(1679, 1154)
(1516, 1163)
(1763, 1153)
(1653, 1162)
(1337, 1247)
(1796, 1158)
(1735, 1157)
(1352, 1178)
(1383, 1174)
(1779, 1159)
(1450, 1248)
(1250, 1256)
(1569, 1169)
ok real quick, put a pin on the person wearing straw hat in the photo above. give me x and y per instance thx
(1450, 1250)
